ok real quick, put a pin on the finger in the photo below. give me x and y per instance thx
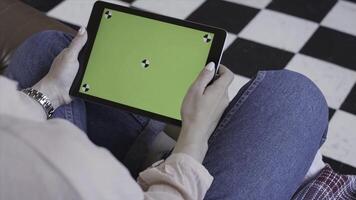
(77, 43)
(225, 78)
(205, 76)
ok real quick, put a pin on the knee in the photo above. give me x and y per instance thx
(297, 85)
(294, 82)
(33, 58)
(299, 93)
(50, 35)
(47, 42)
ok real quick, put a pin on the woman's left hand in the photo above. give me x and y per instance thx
(56, 84)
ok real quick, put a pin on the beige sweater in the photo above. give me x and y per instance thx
(52, 159)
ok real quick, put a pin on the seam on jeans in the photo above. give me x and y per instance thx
(259, 78)
(324, 137)
(141, 120)
(68, 111)
(137, 153)
(76, 116)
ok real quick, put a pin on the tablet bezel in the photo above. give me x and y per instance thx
(92, 29)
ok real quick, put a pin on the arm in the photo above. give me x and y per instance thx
(201, 111)
(182, 176)
(55, 85)
(16, 103)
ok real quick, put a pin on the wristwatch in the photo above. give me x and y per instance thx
(42, 99)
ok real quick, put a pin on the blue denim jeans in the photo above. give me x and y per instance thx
(262, 147)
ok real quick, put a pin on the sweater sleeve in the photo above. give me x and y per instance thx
(77, 159)
(16, 103)
(178, 177)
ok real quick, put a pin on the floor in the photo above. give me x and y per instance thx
(316, 38)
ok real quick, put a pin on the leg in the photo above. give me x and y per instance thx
(128, 136)
(33, 59)
(267, 138)
(114, 129)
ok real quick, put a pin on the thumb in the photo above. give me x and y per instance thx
(204, 78)
(78, 43)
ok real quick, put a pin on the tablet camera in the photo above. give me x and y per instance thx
(145, 63)
(207, 38)
(85, 87)
(108, 14)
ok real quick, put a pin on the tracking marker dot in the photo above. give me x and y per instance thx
(207, 38)
(108, 14)
(145, 63)
(85, 87)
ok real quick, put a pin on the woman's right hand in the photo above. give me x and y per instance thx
(201, 110)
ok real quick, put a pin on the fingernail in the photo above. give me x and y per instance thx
(81, 31)
(210, 66)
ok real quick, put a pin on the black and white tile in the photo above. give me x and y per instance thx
(232, 17)
(342, 17)
(179, 9)
(334, 81)
(245, 57)
(279, 30)
(76, 12)
(316, 38)
(341, 138)
(42, 5)
(349, 103)
(332, 46)
(314, 10)
(259, 4)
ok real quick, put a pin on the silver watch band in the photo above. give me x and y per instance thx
(42, 99)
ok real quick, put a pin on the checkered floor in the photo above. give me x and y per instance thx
(316, 38)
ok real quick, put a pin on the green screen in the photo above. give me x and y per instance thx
(144, 63)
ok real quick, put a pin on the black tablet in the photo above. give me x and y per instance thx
(143, 62)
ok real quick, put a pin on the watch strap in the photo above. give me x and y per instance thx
(42, 99)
